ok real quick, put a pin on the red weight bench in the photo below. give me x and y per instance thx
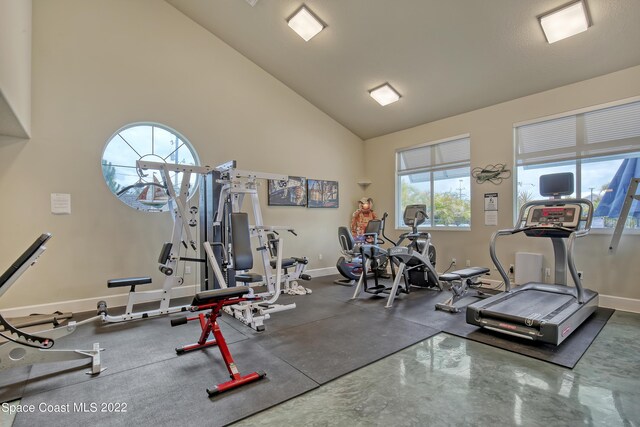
(215, 300)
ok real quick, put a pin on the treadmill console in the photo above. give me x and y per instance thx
(567, 216)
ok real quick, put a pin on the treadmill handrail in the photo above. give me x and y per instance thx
(573, 234)
(494, 257)
(572, 268)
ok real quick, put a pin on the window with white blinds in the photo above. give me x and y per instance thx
(437, 175)
(443, 155)
(613, 130)
(601, 147)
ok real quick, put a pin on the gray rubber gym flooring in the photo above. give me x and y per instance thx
(326, 336)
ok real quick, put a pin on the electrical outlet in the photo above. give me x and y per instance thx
(547, 272)
(187, 269)
(453, 261)
(511, 269)
(320, 256)
(580, 275)
(468, 263)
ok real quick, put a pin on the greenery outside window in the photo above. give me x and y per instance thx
(592, 144)
(145, 141)
(438, 175)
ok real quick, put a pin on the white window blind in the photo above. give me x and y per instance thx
(610, 130)
(443, 155)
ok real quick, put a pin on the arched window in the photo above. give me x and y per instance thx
(145, 141)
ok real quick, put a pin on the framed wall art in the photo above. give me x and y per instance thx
(322, 194)
(291, 193)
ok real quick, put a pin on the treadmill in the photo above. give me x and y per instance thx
(537, 311)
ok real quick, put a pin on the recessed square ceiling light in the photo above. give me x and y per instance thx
(305, 23)
(384, 94)
(565, 22)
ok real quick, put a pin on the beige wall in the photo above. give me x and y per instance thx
(15, 67)
(102, 64)
(491, 131)
(98, 65)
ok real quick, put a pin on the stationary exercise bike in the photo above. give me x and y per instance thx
(350, 264)
(415, 261)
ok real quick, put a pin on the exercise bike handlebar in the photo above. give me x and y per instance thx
(384, 222)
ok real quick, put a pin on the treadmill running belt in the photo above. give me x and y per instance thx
(528, 306)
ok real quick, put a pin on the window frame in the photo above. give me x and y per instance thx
(580, 143)
(186, 142)
(430, 171)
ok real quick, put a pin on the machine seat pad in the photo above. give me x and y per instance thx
(286, 262)
(449, 277)
(128, 281)
(466, 273)
(208, 297)
(248, 278)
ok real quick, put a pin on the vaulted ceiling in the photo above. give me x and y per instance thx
(445, 57)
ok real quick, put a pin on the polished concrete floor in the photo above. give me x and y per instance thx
(450, 381)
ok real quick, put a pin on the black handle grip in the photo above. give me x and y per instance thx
(179, 321)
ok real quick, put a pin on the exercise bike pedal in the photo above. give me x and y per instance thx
(377, 290)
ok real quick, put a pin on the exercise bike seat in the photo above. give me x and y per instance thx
(209, 297)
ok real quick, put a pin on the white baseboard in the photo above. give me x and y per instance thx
(620, 303)
(319, 272)
(118, 300)
(87, 304)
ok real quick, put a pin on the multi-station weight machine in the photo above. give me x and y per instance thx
(222, 194)
(181, 237)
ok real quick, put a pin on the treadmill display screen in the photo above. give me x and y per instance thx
(561, 216)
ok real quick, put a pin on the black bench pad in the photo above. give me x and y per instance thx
(449, 277)
(248, 278)
(464, 273)
(128, 281)
(286, 262)
(214, 295)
